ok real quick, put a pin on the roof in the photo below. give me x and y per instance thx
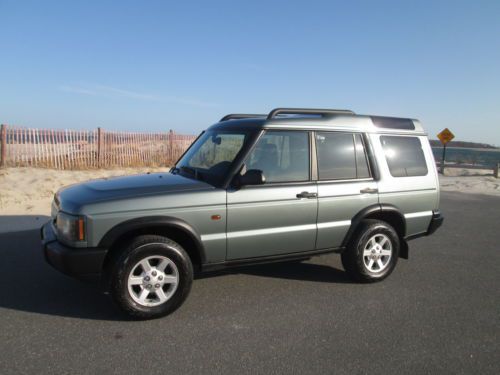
(317, 120)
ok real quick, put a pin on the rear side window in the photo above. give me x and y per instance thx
(341, 156)
(404, 156)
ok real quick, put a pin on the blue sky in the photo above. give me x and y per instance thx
(159, 65)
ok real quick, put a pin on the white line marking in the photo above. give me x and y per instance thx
(418, 214)
(277, 230)
(260, 232)
(215, 236)
(333, 224)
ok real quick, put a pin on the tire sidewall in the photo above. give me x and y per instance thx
(128, 261)
(363, 238)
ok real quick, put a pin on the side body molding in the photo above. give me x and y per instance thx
(163, 222)
(374, 210)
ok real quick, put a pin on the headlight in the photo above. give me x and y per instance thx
(70, 227)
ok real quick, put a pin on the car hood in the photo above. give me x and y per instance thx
(72, 198)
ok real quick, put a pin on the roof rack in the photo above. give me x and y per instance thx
(288, 111)
(238, 116)
(308, 111)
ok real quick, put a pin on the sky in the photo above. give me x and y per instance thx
(182, 65)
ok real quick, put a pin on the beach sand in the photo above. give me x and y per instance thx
(474, 181)
(26, 193)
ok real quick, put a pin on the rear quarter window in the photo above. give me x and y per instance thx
(404, 156)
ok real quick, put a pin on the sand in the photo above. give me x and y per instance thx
(26, 193)
(30, 190)
(474, 181)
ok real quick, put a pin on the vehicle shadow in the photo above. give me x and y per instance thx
(293, 270)
(17, 223)
(29, 284)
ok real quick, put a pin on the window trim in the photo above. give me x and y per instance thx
(372, 160)
(313, 156)
(345, 180)
(240, 159)
(367, 158)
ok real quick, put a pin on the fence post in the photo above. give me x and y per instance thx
(3, 153)
(495, 171)
(171, 145)
(99, 147)
(443, 158)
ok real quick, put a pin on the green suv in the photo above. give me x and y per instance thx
(252, 189)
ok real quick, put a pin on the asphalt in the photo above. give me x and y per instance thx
(439, 312)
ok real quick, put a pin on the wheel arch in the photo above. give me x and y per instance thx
(174, 228)
(384, 212)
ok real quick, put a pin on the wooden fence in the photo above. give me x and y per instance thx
(81, 149)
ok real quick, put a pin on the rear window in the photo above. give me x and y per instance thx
(404, 156)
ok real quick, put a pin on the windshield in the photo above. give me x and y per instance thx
(211, 156)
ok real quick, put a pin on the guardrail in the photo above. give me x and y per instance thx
(442, 167)
(82, 149)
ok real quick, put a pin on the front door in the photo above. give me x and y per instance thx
(278, 217)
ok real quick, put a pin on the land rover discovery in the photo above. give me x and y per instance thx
(252, 189)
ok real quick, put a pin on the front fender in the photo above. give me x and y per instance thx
(146, 222)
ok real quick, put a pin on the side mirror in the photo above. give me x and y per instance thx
(252, 177)
(216, 140)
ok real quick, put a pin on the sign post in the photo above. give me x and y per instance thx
(445, 136)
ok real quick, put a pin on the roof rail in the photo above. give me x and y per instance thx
(308, 111)
(238, 116)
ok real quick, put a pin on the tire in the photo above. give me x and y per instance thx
(151, 278)
(372, 253)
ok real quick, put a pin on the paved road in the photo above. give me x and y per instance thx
(439, 312)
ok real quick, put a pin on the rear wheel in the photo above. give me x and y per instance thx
(373, 251)
(152, 277)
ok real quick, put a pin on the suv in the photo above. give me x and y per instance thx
(251, 189)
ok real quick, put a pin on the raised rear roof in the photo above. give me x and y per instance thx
(320, 119)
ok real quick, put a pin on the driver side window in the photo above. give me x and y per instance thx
(282, 156)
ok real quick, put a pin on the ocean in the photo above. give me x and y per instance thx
(475, 156)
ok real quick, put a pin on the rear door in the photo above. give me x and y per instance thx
(345, 184)
(278, 217)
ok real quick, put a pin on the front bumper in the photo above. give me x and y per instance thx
(81, 263)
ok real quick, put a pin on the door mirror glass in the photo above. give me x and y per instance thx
(216, 140)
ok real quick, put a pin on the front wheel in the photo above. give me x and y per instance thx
(373, 251)
(151, 278)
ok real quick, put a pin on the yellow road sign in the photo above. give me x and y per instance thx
(445, 136)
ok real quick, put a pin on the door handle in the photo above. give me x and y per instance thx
(306, 194)
(368, 191)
